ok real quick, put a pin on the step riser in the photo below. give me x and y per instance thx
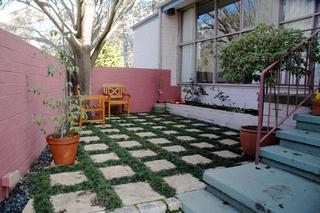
(291, 169)
(308, 126)
(312, 150)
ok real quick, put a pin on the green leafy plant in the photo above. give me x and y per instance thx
(245, 57)
(193, 92)
(65, 110)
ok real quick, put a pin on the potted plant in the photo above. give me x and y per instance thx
(160, 106)
(64, 114)
(244, 58)
(315, 107)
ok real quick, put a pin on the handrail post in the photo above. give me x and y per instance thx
(260, 117)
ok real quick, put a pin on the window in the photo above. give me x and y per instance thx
(205, 20)
(229, 18)
(205, 62)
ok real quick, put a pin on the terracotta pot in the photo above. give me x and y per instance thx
(248, 137)
(315, 108)
(63, 150)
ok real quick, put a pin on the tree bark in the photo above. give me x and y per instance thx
(83, 61)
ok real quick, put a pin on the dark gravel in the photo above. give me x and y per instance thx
(20, 195)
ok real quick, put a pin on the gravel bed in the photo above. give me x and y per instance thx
(20, 195)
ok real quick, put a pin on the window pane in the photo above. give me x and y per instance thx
(303, 24)
(250, 13)
(187, 25)
(186, 63)
(205, 62)
(205, 20)
(229, 17)
(297, 8)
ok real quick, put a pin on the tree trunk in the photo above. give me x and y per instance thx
(83, 61)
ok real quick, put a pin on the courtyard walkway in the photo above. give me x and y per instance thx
(138, 164)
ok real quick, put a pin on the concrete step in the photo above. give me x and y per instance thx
(301, 147)
(201, 201)
(264, 189)
(306, 121)
(300, 136)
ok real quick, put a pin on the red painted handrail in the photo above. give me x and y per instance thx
(285, 82)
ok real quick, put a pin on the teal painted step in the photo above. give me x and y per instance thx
(293, 158)
(265, 189)
(307, 122)
(300, 136)
(311, 150)
(201, 201)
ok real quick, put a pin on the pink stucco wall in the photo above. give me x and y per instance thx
(22, 67)
(142, 84)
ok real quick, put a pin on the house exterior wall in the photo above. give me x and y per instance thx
(146, 44)
(22, 67)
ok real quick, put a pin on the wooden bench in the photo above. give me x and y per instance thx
(115, 95)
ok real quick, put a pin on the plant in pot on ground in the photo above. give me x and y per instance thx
(315, 107)
(244, 58)
(63, 116)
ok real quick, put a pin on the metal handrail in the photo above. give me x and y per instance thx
(274, 70)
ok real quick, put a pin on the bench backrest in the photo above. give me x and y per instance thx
(114, 90)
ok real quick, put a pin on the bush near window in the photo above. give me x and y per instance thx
(244, 58)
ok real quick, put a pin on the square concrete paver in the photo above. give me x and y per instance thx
(230, 133)
(142, 153)
(158, 119)
(134, 129)
(193, 130)
(175, 148)
(168, 122)
(110, 130)
(101, 126)
(89, 139)
(111, 172)
(145, 134)
(127, 124)
(226, 154)
(202, 145)
(128, 144)
(159, 141)
(185, 138)
(179, 126)
(134, 193)
(184, 183)
(76, 202)
(120, 136)
(211, 136)
(148, 123)
(158, 165)
(170, 132)
(228, 141)
(186, 121)
(97, 146)
(151, 116)
(196, 159)
(140, 120)
(199, 124)
(100, 158)
(214, 128)
(159, 127)
(67, 178)
(86, 132)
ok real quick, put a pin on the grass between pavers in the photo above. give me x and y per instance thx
(42, 190)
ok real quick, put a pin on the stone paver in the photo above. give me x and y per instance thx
(196, 159)
(143, 113)
(159, 127)
(76, 202)
(120, 136)
(186, 121)
(214, 128)
(133, 117)
(185, 138)
(97, 146)
(193, 130)
(179, 126)
(159, 141)
(111, 172)
(142, 153)
(173, 203)
(110, 130)
(145, 134)
(135, 129)
(228, 141)
(170, 132)
(226, 154)
(140, 120)
(148, 123)
(127, 124)
(126, 209)
(151, 116)
(86, 132)
(202, 145)
(100, 158)
(29, 207)
(199, 124)
(133, 193)
(175, 148)
(128, 144)
(211, 136)
(105, 126)
(184, 183)
(158, 165)
(114, 118)
(67, 178)
(168, 122)
(230, 133)
(89, 139)
(152, 207)
(158, 119)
